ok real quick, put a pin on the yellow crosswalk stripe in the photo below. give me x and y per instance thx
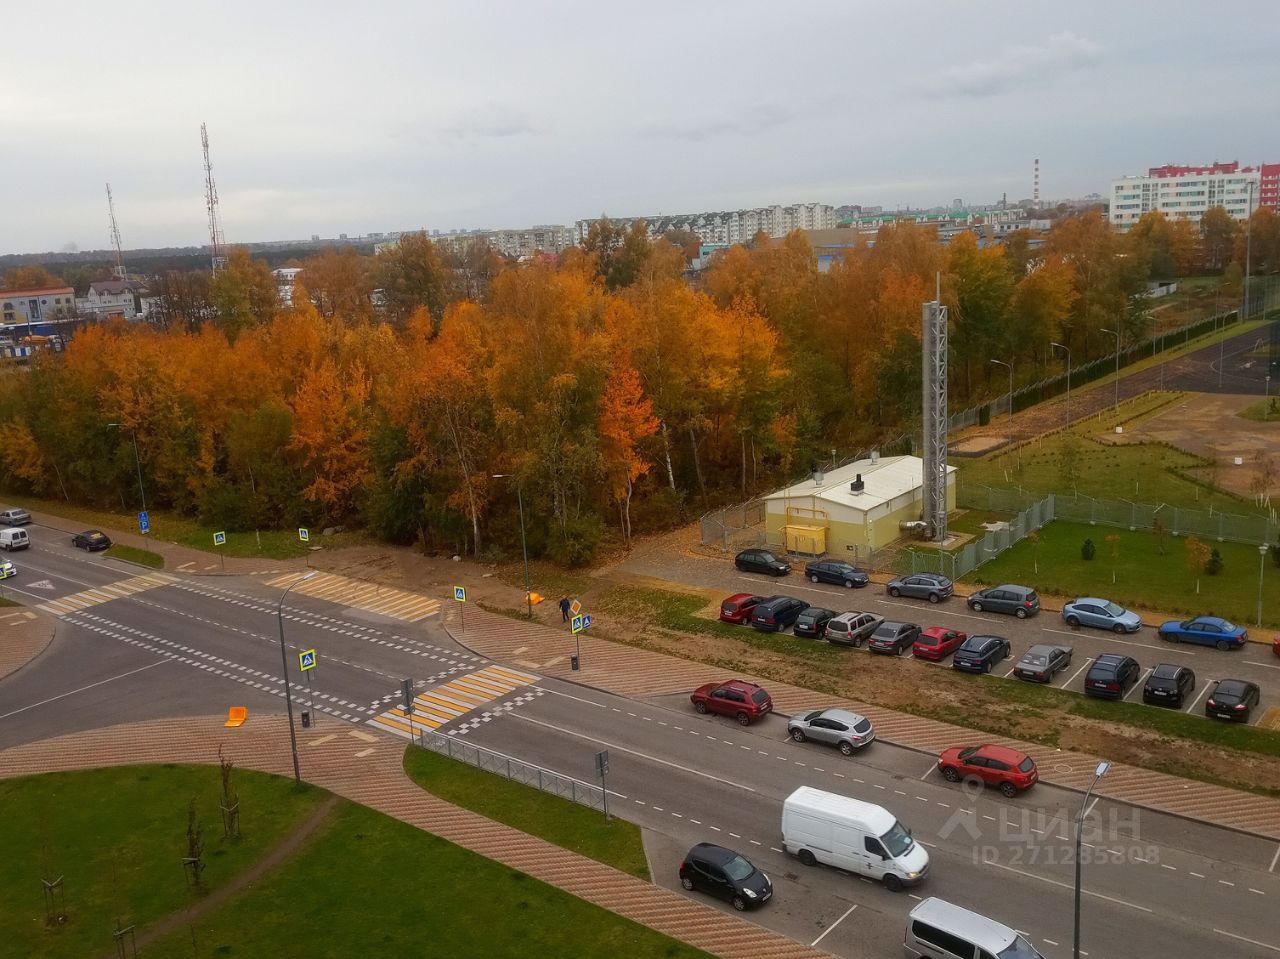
(453, 700)
(95, 595)
(358, 594)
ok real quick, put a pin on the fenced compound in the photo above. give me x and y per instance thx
(973, 554)
(516, 770)
(734, 527)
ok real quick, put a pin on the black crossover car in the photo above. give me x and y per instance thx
(777, 613)
(1168, 685)
(979, 653)
(835, 571)
(724, 873)
(813, 622)
(761, 561)
(1111, 676)
(1232, 699)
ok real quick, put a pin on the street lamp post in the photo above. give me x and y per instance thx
(1116, 334)
(284, 665)
(1084, 808)
(1067, 350)
(1248, 253)
(524, 546)
(1009, 367)
(1266, 402)
(137, 461)
(1262, 565)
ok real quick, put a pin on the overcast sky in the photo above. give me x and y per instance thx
(328, 116)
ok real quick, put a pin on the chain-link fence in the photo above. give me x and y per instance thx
(734, 527)
(517, 770)
(973, 554)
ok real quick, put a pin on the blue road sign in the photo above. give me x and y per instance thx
(460, 593)
(304, 534)
(307, 659)
(144, 522)
(586, 620)
(219, 539)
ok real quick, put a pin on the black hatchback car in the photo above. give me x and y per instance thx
(1168, 685)
(1232, 699)
(893, 638)
(979, 653)
(727, 874)
(836, 571)
(776, 613)
(1020, 601)
(92, 540)
(761, 561)
(1111, 676)
(813, 622)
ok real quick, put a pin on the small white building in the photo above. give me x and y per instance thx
(112, 299)
(850, 511)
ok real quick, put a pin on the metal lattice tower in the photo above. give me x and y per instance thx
(934, 489)
(115, 236)
(1035, 185)
(211, 203)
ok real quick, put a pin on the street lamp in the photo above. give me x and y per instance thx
(1067, 350)
(1248, 252)
(137, 461)
(1266, 402)
(524, 546)
(1084, 806)
(284, 664)
(1117, 336)
(1010, 369)
(1262, 565)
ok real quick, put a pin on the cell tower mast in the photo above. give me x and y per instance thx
(211, 203)
(1035, 185)
(115, 236)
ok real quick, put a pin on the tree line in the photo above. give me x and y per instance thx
(415, 391)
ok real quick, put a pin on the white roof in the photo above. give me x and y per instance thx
(884, 480)
(875, 818)
(989, 934)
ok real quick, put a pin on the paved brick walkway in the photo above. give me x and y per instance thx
(367, 769)
(23, 636)
(629, 671)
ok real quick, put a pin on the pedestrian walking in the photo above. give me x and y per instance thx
(564, 608)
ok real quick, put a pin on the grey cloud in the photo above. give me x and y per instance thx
(1016, 67)
(490, 122)
(760, 117)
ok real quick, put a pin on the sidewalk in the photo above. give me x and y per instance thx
(367, 770)
(24, 635)
(638, 673)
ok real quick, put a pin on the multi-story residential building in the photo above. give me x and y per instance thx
(1186, 192)
(112, 299)
(727, 228)
(512, 243)
(1269, 186)
(42, 305)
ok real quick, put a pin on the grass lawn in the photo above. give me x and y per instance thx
(577, 828)
(143, 557)
(370, 885)
(1143, 577)
(118, 837)
(1263, 411)
(970, 520)
(172, 528)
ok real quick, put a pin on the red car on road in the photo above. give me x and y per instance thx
(938, 642)
(737, 608)
(744, 701)
(1007, 769)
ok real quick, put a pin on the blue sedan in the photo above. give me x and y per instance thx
(1088, 611)
(1206, 631)
(836, 571)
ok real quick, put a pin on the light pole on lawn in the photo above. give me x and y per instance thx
(524, 546)
(1262, 566)
(1084, 809)
(1067, 350)
(1116, 334)
(1009, 367)
(284, 664)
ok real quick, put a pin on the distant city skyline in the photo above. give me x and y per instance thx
(325, 120)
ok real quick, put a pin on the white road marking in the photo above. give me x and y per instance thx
(101, 682)
(833, 925)
(1112, 638)
(1254, 942)
(1272, 867)
(578, 699)
(1066, 885)
(624, 749)
(1141, 681)
(1204, 689)
(1076, 673)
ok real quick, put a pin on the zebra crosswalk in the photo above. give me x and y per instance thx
(105, 594)
(396, 603)
(452, 700)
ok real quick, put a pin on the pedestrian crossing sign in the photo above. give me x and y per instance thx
(460, 593)
(304, 534)
(307, 659)
(219, 539)
(576, 624)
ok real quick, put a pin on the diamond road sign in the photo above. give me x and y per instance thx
(307, 659)
(575, 607)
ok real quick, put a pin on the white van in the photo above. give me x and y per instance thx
(13, 538)
(942, 930)
(856, 836)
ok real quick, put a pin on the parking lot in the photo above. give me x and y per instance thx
(1255, 662)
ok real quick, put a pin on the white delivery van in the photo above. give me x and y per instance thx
(937, 929)
(856, 836)
(14, 538)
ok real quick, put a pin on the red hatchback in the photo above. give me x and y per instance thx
(938, 642)
(737, 608)
(1007, 769)
(745, 702)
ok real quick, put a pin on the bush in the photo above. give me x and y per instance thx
(1214, 565)
(1275, 556)
(579, 543)
(1088, 550)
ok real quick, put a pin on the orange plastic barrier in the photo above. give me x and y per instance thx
(236, 716)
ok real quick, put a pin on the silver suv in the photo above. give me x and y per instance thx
(15, 517)
(848, 731)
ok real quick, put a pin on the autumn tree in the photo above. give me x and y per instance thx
(33, 277)
(983, 288)
(1261, 243)
(182, 300)
(331, 430)
(338, 282)
(626, 420)
(618, 252)
(1042, 302)
(410, 275)
(244, 293)
(1218, 231)
(1197, 556)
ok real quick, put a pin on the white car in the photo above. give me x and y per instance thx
(7, 569)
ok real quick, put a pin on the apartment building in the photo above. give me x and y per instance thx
(1186, 192)
(729, 227)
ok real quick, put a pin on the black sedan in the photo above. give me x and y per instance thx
(1232, 699)
(761, 561)
(726, 874)
(1168, 685)
(837, 572)
(980, 653)
(813, 622)
(92, 540)
(893, 638)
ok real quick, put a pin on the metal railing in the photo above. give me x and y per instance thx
(516, 770)
(973, 554)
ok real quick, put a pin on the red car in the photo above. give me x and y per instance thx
(938, 642)
(744, 701)
(737, 608)
(1007, 769)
